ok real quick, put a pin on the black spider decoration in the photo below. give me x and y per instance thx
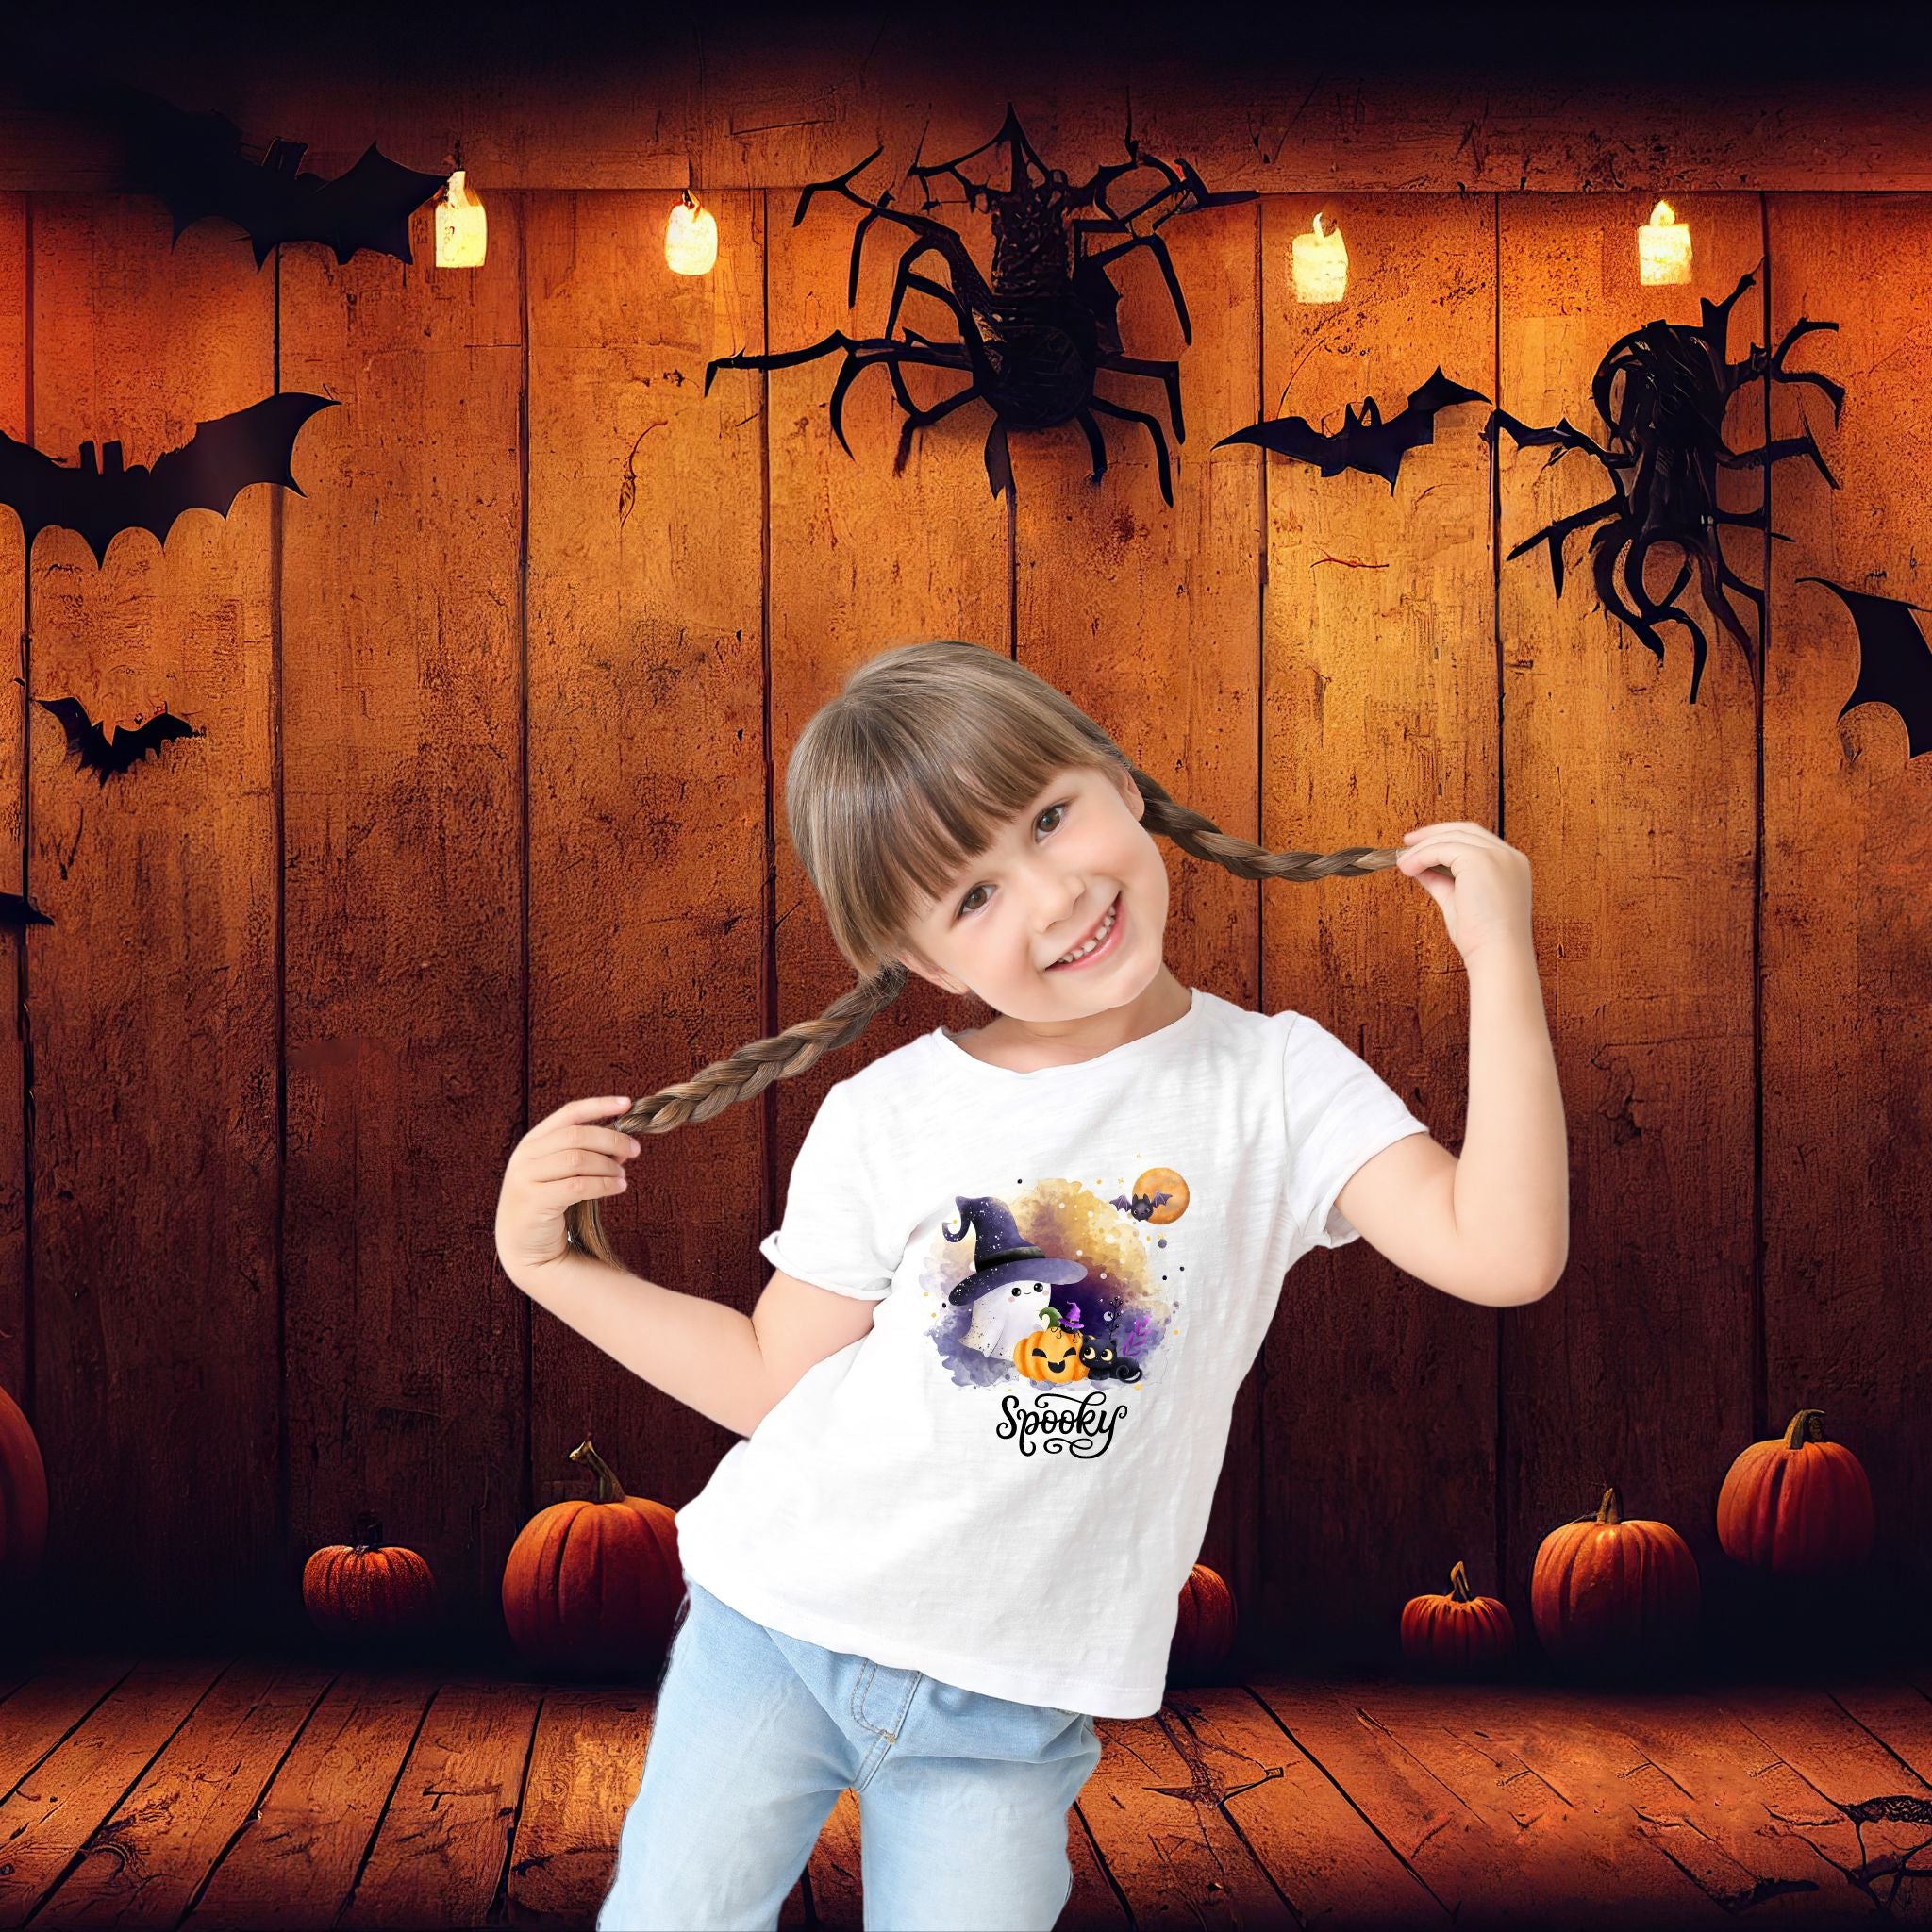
(1035, 335)
(1666, 430)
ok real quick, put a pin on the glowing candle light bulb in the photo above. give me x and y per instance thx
(1321, 264)
(460, 227)
(1663, 247)
(691, 237)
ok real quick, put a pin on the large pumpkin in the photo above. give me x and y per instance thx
(1608, 1594)
(1204, 1628)
(367, 1587)
(1796, 1503)
(593, 1583)
(1458, 1635)
(22, 1501)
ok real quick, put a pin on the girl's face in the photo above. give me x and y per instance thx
(1042, 890)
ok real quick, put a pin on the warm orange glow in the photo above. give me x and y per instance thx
(1663, 247)
(1320, 265)
(691, 237)
(462, 235)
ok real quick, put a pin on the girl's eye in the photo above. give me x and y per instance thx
(963, 905)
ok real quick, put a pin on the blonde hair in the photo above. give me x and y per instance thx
(895, 785)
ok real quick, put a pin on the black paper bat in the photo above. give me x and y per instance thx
(17, 913)
(110, 758)
(1363, 442)
(99, 498)
(1894, 660)
(195, 164)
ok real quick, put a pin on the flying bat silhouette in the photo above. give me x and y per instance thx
(1141, 1206)
(101, 497)
(1364, 442)
(194, 163)
(18, 912)
(1894, 660)
(106, 758)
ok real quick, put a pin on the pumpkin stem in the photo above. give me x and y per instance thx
(1807, 1426)
(367, 1534)
(1458, 1584)
(1607, 1509)
(608, 1489)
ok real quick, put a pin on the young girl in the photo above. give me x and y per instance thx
(1022, 1273)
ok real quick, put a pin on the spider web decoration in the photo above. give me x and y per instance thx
(1672, 384)
(1033, 334)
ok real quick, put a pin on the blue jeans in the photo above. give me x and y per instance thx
(962, 1797)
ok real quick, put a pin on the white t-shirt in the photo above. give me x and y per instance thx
(1007, 1492)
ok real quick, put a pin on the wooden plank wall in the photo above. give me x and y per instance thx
(488, 815)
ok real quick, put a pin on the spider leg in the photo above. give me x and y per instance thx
(935, 234)
(1169, 372)
(1775, 451)
(944, 358)
(1527, 436)
(1099, 261)
(962, 314)
(1095, 441)
(999, 461)
(1555, 534)
(1153, 430)
(784, 359)
(918, 419)
(856, 362)
(1780, 374)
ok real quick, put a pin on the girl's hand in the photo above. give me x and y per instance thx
(1481, 883)
(564, 1158)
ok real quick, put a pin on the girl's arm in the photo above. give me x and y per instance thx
(1493, 1224)
(701, 1351)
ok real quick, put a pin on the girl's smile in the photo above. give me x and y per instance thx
(1109, 930)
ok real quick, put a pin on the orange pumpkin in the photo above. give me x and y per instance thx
(1458, 1635)
(1607, 1593)
(1796, 1503)
(1204, 1629)
(23, 1500)
(593, 1583)
(1051, 1354)
(367, 1587)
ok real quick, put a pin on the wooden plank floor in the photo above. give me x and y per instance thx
(240, 1793)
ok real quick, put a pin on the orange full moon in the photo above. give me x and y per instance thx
(1163, 1180)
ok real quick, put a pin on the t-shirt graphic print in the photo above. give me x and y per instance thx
(1006, 1481)
(1063, 1330)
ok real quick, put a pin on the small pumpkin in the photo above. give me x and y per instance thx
(1458, 1635)
(23, 1501)
(1609, 1592)
(1051, 1354)
(1796, 1503)
(1204, 1628)
(368, 1588)
(593, 1583)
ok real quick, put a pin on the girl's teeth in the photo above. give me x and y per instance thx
(1098, 939)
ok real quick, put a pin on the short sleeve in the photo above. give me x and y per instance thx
(1340, 1113)
(831, 1235)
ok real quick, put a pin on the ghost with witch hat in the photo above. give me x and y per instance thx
(1009, 1286)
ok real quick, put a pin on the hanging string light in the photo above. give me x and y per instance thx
(1663, 247)
(1321, 264)
(461, 230)
(691, 237)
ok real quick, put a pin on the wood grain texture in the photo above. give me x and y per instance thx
(1378, 712)
(1637, 810)
(154, 1027)
(1847, 852)
(645, 739)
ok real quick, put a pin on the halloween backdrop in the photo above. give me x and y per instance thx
(405, 754)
